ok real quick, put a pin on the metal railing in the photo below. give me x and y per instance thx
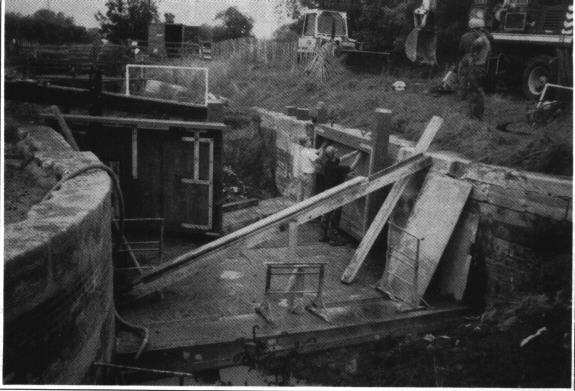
(403, 247)
(295, 289)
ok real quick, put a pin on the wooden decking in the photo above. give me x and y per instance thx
(211, 314)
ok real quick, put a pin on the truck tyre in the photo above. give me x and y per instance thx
(536, 74)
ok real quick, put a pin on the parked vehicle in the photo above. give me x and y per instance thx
(532, 39)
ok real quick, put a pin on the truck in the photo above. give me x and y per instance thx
(532, 40)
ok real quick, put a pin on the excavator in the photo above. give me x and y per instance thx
(532, 40)
(321, 27)
(421, 43)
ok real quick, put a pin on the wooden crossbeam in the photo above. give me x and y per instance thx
(145, 123)
(183, 266)
(84, 98)
(387, 207)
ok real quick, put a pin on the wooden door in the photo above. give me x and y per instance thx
(188, 171)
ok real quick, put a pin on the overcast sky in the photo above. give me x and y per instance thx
(191, 12)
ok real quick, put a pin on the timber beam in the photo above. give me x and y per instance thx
(183, 266)
(82, 98)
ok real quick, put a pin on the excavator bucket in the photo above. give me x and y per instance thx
(420, 46)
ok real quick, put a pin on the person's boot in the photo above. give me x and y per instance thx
(324, 238)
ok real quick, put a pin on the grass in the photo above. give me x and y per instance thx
(352, 99)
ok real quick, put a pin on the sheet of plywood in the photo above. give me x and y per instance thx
(433, 219)
(457, 259)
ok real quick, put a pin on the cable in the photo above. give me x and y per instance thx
(120, 198)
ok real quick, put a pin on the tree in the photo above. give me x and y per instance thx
(234, 24)
(127, 19)
(169, 18)
(46, 27)
(287, 32)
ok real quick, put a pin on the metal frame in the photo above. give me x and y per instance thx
(295, 289)
(547, 86)
(174, 67)
(145, 246)
(392, 251)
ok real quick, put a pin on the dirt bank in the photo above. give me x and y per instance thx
(352, 99)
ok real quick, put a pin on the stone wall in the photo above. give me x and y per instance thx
(524, 218)
(58, 277)
(525, 223)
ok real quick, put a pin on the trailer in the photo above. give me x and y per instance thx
(177, 40)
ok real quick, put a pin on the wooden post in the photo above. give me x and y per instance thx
(135, 152)
(215, 112)
(321, 113)
(387, 208)
(65, 129)
(380, 145)
(302, 114)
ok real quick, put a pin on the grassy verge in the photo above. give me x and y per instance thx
(352, 98)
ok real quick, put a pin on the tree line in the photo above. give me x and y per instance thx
(45, 27)
(120, 21)
(382, 25)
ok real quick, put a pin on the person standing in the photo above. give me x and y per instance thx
(475, 45)
(334, 174)
(308, 156)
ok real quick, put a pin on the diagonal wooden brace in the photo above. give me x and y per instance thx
(387, 207)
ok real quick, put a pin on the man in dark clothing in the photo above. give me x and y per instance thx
(475, 47)
(334, 174)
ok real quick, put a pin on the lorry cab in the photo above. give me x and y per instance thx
(321, 26)
(533, 38)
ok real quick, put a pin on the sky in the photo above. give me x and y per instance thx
(191, 12)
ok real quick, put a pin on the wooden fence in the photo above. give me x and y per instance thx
(273, 53)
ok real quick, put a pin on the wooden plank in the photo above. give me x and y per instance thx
(457, 259)
(372, 184)
(83, 98)
(433, 220)
(536, 203)
(64, 127)
(387, 208)
(146, 123)
(179, 268)
(238, 205)
(292, 241)
(353, 141)
(521, 180)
